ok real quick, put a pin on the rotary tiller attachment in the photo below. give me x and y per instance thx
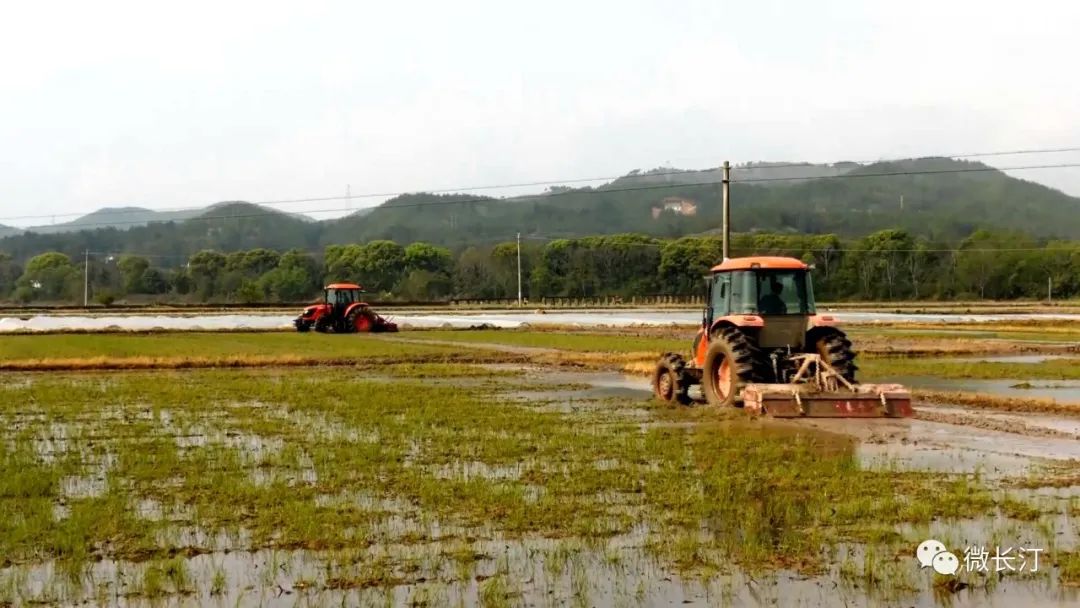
(818, 391)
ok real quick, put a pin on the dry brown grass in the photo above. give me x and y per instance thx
(637, 363)
(150, 330)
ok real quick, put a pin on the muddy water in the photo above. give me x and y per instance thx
(613, 572)
(1065, 391)
(594, 385)
(902, 444)
(534, 572)
(1023, 359)
(1069, 426)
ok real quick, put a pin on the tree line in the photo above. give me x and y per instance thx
(885, 265)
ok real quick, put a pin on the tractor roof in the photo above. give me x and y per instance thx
(343, 286)
(767, 262)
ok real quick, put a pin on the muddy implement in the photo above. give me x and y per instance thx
(817, 390)
(794, 401)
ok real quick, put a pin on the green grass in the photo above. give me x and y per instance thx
(329, 462)
(885, 367)
(1024, 334)
(596, 342)
(363, 472)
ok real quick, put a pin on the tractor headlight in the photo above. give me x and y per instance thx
(308, 311)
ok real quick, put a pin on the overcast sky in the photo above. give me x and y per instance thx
(188, 103)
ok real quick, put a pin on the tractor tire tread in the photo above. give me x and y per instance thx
(835, 347)
(749, 362)
(674, 364)
(746, 363)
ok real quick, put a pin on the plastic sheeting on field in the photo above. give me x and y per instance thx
(420, 320)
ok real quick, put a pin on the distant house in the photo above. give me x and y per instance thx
(677, 205)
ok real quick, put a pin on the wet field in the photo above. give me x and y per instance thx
(514, 468)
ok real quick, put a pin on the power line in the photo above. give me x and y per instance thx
(871, 161)
(550, 195)
(271, 203)
(682, 172)
(913, 172)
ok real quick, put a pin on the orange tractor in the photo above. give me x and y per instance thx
(763, 346)
(342, 311)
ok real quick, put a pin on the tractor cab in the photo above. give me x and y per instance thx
(761, 286)
(342, 295)
(772, 295)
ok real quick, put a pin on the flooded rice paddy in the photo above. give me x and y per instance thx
(503, 484)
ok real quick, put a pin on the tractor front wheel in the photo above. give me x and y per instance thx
(322, 325)
(729, 364)
(669, 381)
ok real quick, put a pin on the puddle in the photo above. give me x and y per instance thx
(996, 444)
(476, 469)
(92, 483)
(1064, 391)
(922, 445)
(1032, 419)
(53, 443)
(602, 385)
(533, 572)
(1025, 359)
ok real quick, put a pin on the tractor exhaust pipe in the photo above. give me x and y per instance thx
(725, 189)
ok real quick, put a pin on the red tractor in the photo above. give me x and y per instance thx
(762, 344)
(342, 311)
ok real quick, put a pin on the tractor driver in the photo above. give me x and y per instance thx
(771, 303)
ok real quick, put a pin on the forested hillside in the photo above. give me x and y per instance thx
(938, 199)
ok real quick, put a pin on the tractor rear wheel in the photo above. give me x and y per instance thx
(358, 320)
(835, 348)
(669, 381)
(730, 362)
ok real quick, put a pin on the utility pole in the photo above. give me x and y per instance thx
(726, 198)
(348, 196)
(1049, 290)
(86, 279)
(519, 266)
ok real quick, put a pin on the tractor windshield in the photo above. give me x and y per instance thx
(771, 292)
(340, 297)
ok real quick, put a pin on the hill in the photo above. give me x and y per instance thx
(935, 197)
(780, 172)
(225, 227)
(116, 217)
